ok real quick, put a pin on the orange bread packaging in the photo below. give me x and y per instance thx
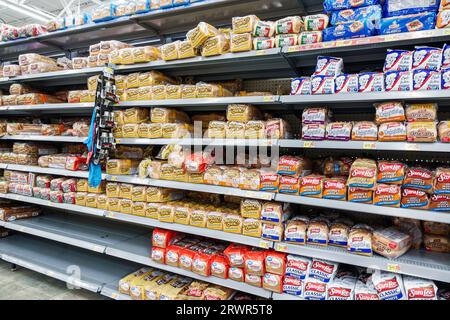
(363, 174)
(389, 112)
(387, 195)
(289, 184)
(269, 181)
(440, 202)
(419, 178)
(390, 172)
(360, 195)
(415, 199)
(335, 188)
(441, 183)
(293, 166)
(311, 186)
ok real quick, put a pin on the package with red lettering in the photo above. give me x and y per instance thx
(416, 199)
(162, 238)
(318, 231)
(236, 274)
(440, 202)
(419, 178)
(360, 195)
(56, 184)
(363, 174)
(313, 131)
(315, 290)
(315, 115)
(391, 172)
(69, 185)
(253, 280)
(289, 184)
(293, 286)
(186, 257)
(269, 181)
(273, 282)
(201, 263)
(293, 166)
(158, 255)
(323, 271)
(387, 195)
(236, 254)
(275, 262)
(297, 267)
(311, 186)
(254, 262)
(70, 197)
(55, 196)
(364, 290)
(341, 288)
(220, 266)
(173, 255)
(335, 188)
(441, 182)
(389, 285)
(419, 289)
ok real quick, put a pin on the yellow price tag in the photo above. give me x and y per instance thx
(264, 244)
(261, 52)
(109, 70)
(268, 98)
(282, 247)
(308, 144)
(369, 145)
(114, 295)
(118, 140)
(292, 49)
(393, 267)
(113, 178)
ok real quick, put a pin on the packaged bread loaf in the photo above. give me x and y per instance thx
(186, 50)
(153, 78)
(200, 34)
(317, 22)
(255, 130)
(365, 131)
(289, 25)
(363, 174)
(286, 40)
(360, 240)
(132, 81)
(391, 172)
(263, 29)
(317, 232)
(389, 112)
(421, 112)
(79, 63)
(11, 70)
(242, 112)
(277, 129)
(339, 131)
(231, 177)
(235, 130)
(392, 131)
(211, 90)
(145, 54)
(441, 182)
(215, 46)
(387, 195)
(419, 178)
(188, 91)
(135, 115)
(241, 42)
(18, 89)
(416, 199)
(263, 43)
(444, 131)
(159, 92)
(244, 24)
(313, 131)
(436, 243)
(122, 166)
(145, 93)
(29, 58)
(335, 188)
(390, 242)
(421, 131)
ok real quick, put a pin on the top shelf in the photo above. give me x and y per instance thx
(148, 26)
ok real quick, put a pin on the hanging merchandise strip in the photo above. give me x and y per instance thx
(101, 139)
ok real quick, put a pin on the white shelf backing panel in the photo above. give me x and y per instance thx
(219, 101)
(60, 206)
(138, 250)
(76, 230)
(200, 142)
(368, 98)
(209, 233)
(192, 187)
(54, 171)
(426, 215)
(75, 266)
(60, 108)
(419, 263)
(366, 145)
(111, 290)
(64, 139)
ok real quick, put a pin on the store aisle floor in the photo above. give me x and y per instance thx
(24, 284)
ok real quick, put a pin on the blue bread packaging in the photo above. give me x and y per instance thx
(445, 57)
(398, 81)
(347, 83)
(398, 60)
(426, 80)
(394, 8)
(323, 85)
(333, 5)
(371, 82)
(350, 30)
(445, 79)
(408, 23)
(301, 86)
(372, 13)
(427, 58)
(328, 66)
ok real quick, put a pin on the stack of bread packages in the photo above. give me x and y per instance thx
(243, 29)
(32, 63)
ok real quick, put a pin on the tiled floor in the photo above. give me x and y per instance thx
(24, 284)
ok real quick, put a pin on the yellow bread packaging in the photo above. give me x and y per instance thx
(80, 198)
(217, 129)
(91, 200)
(125, 206)
(150, 130)
(166, 213)
(138, 193)
(173, 91)
(113, 204)
(122, 166)
(182, 214)
(82, 185)
(241, 42)
(151, 211)
(252, 227)
(130, 130)
(251, 208)
(199, 217)
(102, 202)
(200, 34)
(188, 91)
(242, 113)
(216, 45)
(145, 54)
(135, 115)
(244, 24)
(186, 50)
(124, 283)
(145, 93)
(214, 219)
(170, 51)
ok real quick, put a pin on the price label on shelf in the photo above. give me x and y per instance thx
(109, 214)
(369, 145)
(268, 98)
(308, 144)
(113, 178)
(393, 267)
(118, 140)
(258, 195)
(98, 248)
(293, 49)
(412, 147)
(264, 244)
(261, 52)
(282, 247)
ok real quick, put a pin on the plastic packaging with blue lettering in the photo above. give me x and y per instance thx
(445, 76)
(301, 86)
(371, 82)
(398, 81)
(398, 60)
(409, 23)
(427, 58)
(347, 83)
(333, 5)
(372, 13)
(445, 57)
(349, 30)
(394, 8)
(426, 80)
(322, 85)
(329, 66)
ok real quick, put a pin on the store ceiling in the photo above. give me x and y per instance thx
(49, 7)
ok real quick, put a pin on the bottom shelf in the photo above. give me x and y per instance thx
(111, 290)
(77, 267)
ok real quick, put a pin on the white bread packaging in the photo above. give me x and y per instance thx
(388, 285)
(419, 289)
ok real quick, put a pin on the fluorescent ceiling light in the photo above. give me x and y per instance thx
(33, 13)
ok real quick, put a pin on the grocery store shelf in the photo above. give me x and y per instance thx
(366, 145)
(72, 265)
(138, 250)
(111, 290)
(425, 215)
(284, 296)
(200, 142)
(77, 230)
(36, 169)
(219, 101)
(60, 108)
(60, 206)
(192, 187)
(209, 233)
(429, 265)
(342, 100)
(45, 138)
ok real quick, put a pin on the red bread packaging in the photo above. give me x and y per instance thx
(236, 274)
(162, 238)
(387, 195)
(275, 262)
(360, 195)
(414, 199)
(236, 254)
(390, 172)
(419, 178)
(311, 186)
(201, 263)
(254, 262)
(273, 282)
(220, 266)
(289, 184)
(293, 166)
(335, 188)
(269, 181)
(158, 255)
(440, 202)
